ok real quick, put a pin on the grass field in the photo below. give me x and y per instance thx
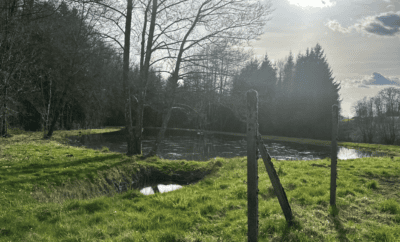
(38, 176)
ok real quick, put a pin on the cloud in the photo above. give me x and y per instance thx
(387, 24)
(335, 26)
(350, 83)
(395, 79)
(391, 7)
(376, 79)
(384, 24)
(313, 3)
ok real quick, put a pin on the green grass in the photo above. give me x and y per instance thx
(36, 174)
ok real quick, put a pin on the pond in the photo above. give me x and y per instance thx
(194, 145)
(161, 188)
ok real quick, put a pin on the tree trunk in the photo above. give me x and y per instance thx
(57, 110)
(161, 133)
(139, 128)
(57, 107)
(70, 120)
(4, 120)
(144, 71)
(128, 107)
(173, 83)
(47, 126)
(52, 124)
(62, 123)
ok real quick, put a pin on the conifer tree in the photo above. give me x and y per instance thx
(285, 95)
(267, 78)
(316, 92)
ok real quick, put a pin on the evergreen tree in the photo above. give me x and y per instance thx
(246, 80)
(268, 79)
(267, 89)
(288, 74)
(284, 101)
(316, 92)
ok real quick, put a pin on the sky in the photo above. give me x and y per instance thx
(360, 39)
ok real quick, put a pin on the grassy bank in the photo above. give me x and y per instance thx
(36, 175)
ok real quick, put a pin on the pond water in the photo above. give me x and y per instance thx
(161, 188)
(190, 145)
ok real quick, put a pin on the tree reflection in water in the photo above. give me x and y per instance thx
(201, 147)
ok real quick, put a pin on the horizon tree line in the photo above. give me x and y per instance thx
(377, 118)
(67, 72)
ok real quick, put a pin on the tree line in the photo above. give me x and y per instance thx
(69, 63)
(66, 73)
(295, 97)
(377, 118)
(55, 69)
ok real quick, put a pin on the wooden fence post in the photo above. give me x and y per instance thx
(334, 153)
(252, 169)
(276, 183)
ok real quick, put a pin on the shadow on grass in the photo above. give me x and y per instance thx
(341, 231)
(290, 231)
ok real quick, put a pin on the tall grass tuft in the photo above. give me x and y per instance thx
(372, 184)
(390, 206)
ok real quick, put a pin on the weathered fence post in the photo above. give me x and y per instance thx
(252, 169)
(334, 153)
(276, 183)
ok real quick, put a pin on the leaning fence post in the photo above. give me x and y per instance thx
(276, 183)
(252, 170)
(334, 153)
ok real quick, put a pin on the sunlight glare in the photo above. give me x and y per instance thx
(313, 3)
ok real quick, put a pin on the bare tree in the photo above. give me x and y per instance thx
(208, 22)
(168, 33)
(114, 21)
(126, 90)
(377, 118)
(365, 119)
(387, 104)
(13, 55)
(207, 78)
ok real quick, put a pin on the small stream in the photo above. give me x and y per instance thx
(191, 145)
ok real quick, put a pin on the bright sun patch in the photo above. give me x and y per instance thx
(313, 3)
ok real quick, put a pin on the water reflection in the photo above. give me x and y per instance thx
(161, 188)
(200, 146)
(346, 154)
